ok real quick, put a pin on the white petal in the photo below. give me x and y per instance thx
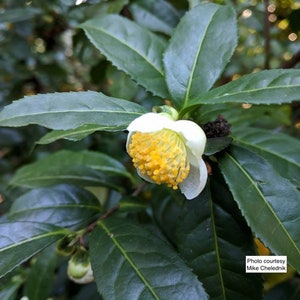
(145, 177)
(193, 185)
(195, 138)
(150, 122)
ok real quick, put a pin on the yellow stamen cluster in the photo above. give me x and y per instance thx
(161, 156)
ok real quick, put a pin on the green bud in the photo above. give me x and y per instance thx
(66, 245)
(167, 111)
(79, 267)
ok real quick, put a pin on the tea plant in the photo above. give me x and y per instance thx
(223, 183)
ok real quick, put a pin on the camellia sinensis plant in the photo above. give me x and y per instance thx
(193, 192)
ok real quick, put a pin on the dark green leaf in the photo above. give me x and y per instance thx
(199, 50)
(131, 48)
(85, 168)
(41, 276)
(265, 87)
(214, 145)
(156, 15)
(63, 111)
(21, 240)
(130, 262)
(281, 150)
(62, 205)
(166, 209)
(214, 240)
(269, 202)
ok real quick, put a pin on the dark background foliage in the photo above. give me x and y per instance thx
(43, 50)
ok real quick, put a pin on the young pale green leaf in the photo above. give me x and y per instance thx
(74, 135)
(131, 48)
(130, 262)
(265, 87)
(21, 240)
(281, 150)
(214, 239)
(156, 15)
(269, 202)
(41, 276)
(199, 50)
(85, 168)
(62, 205)
(63, 111)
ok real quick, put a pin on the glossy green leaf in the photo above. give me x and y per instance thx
(130, 262)
(21, 240)
(156, 15)
(269, 202)
(281, 150)
(63, 111)
(85, 168)
(131, 48)
(199, 50)
(214, 240)
(265, 87)
(62, 205)
(41, 276)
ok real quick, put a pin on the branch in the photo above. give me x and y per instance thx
(292, 62)
(267, 35)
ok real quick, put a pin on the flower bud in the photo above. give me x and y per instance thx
(79, 267)
(66, 246)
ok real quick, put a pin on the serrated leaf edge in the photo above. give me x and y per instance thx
(265, 201)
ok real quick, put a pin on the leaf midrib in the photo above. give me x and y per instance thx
(40, 113)
(228, 94)
(37, 237)
(128, 259)
(186, 98)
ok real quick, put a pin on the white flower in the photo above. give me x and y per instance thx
(167, 151)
